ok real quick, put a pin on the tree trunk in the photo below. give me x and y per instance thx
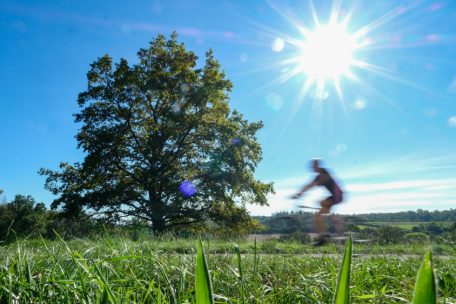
(158, 226)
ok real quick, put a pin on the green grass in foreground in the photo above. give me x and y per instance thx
(163, 271)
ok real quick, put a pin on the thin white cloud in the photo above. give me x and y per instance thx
(452, 121)
(405, 183)
(370, 197)
(452, 87)
(421, 184)
(402, 166)
(397, 201)
(125, 26)
(386, 203)
(282, 201)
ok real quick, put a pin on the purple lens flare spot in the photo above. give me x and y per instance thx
(187, 188)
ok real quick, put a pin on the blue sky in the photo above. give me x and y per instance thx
(388, 132)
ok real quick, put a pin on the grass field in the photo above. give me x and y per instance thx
(163, 271)
(404, 225)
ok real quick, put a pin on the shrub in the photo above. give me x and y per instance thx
(416, 237)
(388, 235)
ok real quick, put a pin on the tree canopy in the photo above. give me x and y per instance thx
(22, 217)
(161, 143)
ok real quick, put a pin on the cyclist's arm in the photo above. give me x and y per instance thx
(309, 186)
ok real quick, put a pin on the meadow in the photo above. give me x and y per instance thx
(119, 270)
(405, 225)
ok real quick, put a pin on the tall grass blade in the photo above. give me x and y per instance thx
(255, 258)
(104, 297)
(102, 282)
(241, 276)
(342, 295)
(148, 291)
(425, 290)
(78, 261)
(203, 286)
(167, 280)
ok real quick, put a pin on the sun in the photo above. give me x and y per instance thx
(327, 53)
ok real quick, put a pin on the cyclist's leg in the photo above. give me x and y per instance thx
(337, 198)
(325, 208)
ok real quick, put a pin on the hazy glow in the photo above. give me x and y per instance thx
(277, 45)
(339, 149)
(274, 100)
(452, 87)
(452, 121)
(320, 94)
(328, 52)
(360, 104)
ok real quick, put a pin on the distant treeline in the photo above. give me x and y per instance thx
(288, 222)
(23, 217)
(411, 216)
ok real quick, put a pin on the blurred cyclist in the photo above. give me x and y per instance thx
(324, 179)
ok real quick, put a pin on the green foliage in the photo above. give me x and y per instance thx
(342, 294)
(431, 229)
(149, 126)
(416, 237)
(412, 216)
(388, 235)
(22, 217)
(231, 221)
(203, 285)
(288, 222)
(425, 290)
(90, 271)
(241, 276)
(270, 246)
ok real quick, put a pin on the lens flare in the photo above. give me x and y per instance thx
(187, 188)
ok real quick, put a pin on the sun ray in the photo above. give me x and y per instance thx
(314, 14)
(337, 85)
(385, 18)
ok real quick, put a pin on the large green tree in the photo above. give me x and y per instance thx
(155, 131)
